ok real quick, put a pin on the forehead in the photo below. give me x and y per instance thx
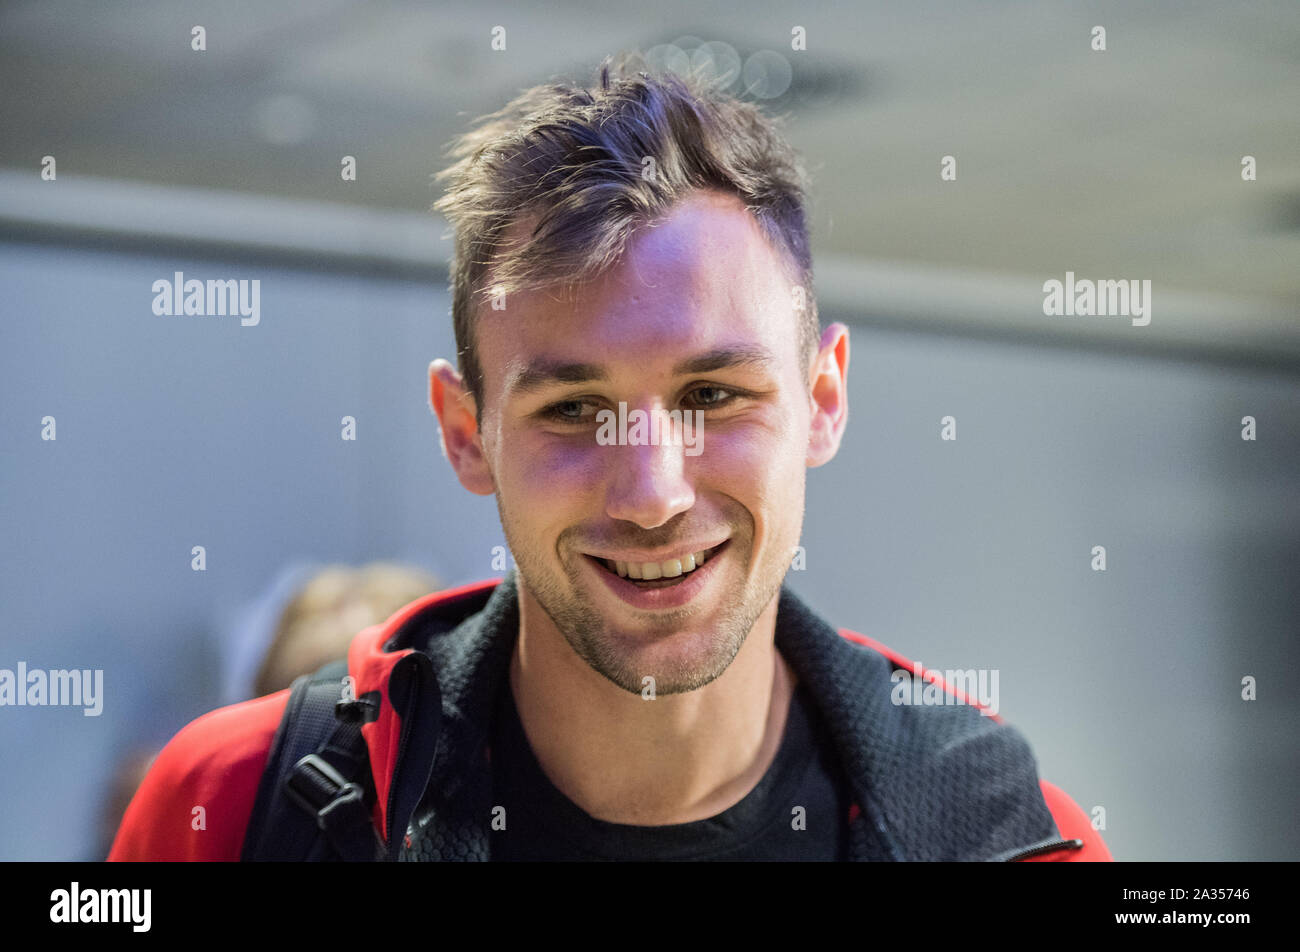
(705, 276)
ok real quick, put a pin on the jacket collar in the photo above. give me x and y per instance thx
(929, 782)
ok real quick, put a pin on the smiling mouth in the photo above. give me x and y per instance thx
(651, 575)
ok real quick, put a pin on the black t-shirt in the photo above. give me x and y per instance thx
(541, 823)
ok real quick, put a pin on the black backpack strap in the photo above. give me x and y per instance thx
(315, 798)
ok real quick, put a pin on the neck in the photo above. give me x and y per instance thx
(674, 759)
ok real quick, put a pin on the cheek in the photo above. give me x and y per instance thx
(736, 458)
(554, 471)
(759, 466)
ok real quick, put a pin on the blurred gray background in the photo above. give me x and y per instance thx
(1072, 432)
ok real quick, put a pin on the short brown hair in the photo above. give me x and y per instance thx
(575, 158)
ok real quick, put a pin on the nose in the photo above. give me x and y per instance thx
(649, 485)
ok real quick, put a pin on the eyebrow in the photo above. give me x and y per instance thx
(544, 372)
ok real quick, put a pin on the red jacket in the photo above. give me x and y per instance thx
(197, 798)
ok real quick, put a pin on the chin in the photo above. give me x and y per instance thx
(683, 661)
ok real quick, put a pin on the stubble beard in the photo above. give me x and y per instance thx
(607, 651)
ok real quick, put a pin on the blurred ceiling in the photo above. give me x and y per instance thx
(1117, 164)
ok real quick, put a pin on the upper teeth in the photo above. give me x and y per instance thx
(653, 570)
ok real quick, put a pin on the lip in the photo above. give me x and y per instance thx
(660, 599)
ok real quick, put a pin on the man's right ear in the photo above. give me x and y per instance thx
(461, 442)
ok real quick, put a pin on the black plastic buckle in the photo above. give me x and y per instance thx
(361, 710)
(340, 796)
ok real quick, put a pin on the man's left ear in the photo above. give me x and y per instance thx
(829, 395)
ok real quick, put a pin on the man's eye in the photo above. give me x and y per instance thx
(567, 411)
(726, 396)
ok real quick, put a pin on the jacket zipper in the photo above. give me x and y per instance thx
(1040, 848)
(403, 741)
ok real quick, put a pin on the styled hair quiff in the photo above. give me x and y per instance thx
(576, 160)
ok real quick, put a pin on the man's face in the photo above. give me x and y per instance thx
(698, 315)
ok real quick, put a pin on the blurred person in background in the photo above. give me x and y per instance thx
(325, 615)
